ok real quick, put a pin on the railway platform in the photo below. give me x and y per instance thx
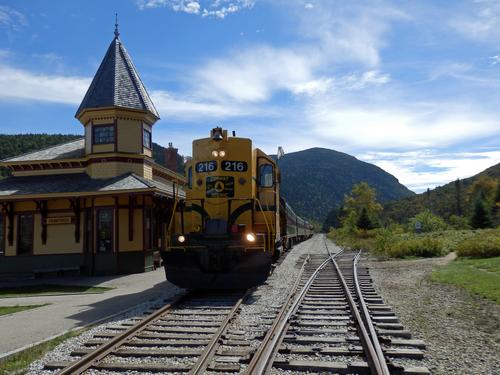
(67, 312)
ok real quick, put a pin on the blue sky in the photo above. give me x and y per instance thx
(411, 86)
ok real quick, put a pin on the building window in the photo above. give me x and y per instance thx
(146, 138)
(2, 234)
(104, 134)
(105, 230)
(25, 234)
(266, 175)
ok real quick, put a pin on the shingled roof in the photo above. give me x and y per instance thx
(68, 150)
(117, 83)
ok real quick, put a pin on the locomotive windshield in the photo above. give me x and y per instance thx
(266, 175)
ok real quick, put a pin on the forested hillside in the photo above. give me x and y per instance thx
(314, 181)
(17, 144)
(454, 198)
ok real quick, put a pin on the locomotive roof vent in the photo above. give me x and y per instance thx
(216, 134)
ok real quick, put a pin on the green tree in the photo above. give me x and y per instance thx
(364, 221)
(332, 219)
(458, 198)
(481, 216)
(362, 196)
(429, 222)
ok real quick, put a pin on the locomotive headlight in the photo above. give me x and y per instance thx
(222, 153)
(215, 153)
(181, 238)
(250, 237)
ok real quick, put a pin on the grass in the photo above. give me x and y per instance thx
(17, 363)
(48, 290)
(4, 310)
(478, 276)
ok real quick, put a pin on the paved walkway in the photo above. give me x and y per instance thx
(71, 311)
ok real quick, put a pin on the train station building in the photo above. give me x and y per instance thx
(99, 204)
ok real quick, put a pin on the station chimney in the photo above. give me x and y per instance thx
(171, 157)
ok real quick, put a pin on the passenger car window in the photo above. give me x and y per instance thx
(266, 175)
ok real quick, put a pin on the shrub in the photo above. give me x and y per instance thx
(428, 221)
(384, 239)
(458, 222)
(483, 245)
(419, 247)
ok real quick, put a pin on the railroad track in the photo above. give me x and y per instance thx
(332, 321)
(180, 337)
(335, 322)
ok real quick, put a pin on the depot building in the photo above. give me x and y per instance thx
(99, 204)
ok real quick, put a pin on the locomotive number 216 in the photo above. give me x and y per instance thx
(234, 166)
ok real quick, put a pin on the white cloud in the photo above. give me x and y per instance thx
(308, 6)
(419, 170)
(350, 32)
(253, 75)
(480, 22)
(495, 59)
(174, 107)
(205, 8)
(21, 84)
(357, 82)
(12, 18)
(395, 126)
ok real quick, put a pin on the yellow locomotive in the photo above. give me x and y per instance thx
(232, 224)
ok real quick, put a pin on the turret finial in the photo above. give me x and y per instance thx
(117, 33)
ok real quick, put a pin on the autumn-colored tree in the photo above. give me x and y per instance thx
(483, 187)
(362, 197)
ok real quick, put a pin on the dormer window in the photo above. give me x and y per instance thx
(146, 138)
(103, 134)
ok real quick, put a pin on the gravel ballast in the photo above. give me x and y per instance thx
(461, 331)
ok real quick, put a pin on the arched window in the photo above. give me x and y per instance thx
(266, 175)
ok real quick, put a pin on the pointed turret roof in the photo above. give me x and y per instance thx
(117, 83)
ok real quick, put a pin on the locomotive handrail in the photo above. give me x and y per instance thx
(267, 225)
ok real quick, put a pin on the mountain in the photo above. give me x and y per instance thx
(442, 200)
(314, 181)
(17, 144)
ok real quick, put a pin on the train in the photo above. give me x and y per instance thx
(233, 223)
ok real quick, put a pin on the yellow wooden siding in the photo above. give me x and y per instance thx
(49, 172)
(60, 238)
(124, 243)
(59, 204)
(104, 202)
(129, 136)
(88, 139)
(112, 169)
(103, 148)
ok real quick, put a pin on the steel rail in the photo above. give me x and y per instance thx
(92, 358)
(371, 354)
(262, 360)
(264, 350)
(204, 360)
(368, 320)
